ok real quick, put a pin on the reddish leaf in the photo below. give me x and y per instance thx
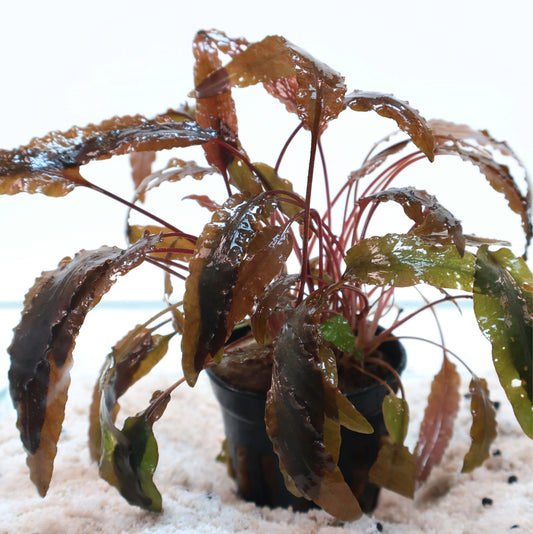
(310, 88)
(480, 149)
(41, 351)
(50, 164)
(407, 118)
(141, 166)
(483, 431)
(437, 426)
(214, 272)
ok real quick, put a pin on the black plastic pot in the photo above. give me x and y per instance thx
(254, 465)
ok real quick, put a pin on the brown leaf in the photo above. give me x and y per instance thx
(483, 430)
(141, 166)
(437, 425)
(480, 149)
(310, 88)
(41, 351)
(50, 164)
(303, 418)
(394, 468)
(408, 119)
(214, 272)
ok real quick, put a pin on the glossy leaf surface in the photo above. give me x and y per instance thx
(503, 303)
(480, 149)
(424, 209)
(483, 430)
(407, 118)
(406, 260)
(311, 89)
(337, 330)
(303, 418)
(214, 272)
(437, 426)
(50, 164)
(132, 357)
(128, 457)
(41, 351)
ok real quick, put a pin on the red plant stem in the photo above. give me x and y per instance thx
(109, 194)
(326, 182)
(286, 145)
(158, 263)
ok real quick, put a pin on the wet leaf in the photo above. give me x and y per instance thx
(266, 255)
(303, 418)
(408, 119)
(480, 149)
(394, 468)
(217, 111)
(50, 164)
(396, 416)
(338, 331)
(271, 309)
(406, 260)
(424, 209)
(141, 166)
(437, 426)
(310, 88)
(503, 304)
(133, 357)
(184, 247)
(128, 457)
(41, 350)
(483, 430)
(214, 272)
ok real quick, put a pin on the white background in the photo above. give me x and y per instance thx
(65, 63)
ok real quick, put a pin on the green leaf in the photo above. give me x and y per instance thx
(338, 331)
(128, 457)
(407, 260)
(483, 431)
(396, 416)
(394, 468)
(503, 304)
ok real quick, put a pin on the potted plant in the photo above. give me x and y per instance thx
(275, 286)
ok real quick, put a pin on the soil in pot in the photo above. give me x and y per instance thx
(240, 383)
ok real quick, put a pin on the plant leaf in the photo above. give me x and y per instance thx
(396, 416)
(50, 164)
(408, 119)
(133, 357)
(217, 111)
(184, 247)
(41, 350)
(483, 431)
(503, 304)
(214, 272)
(338, 331)
(405, 259)
(429, 215)
(394, 468)
(128, 458)
(437, 426)
(304, 84)
(302, 418)
(271, 309)
(480, 149)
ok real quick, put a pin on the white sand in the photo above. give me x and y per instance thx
(199, 497)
